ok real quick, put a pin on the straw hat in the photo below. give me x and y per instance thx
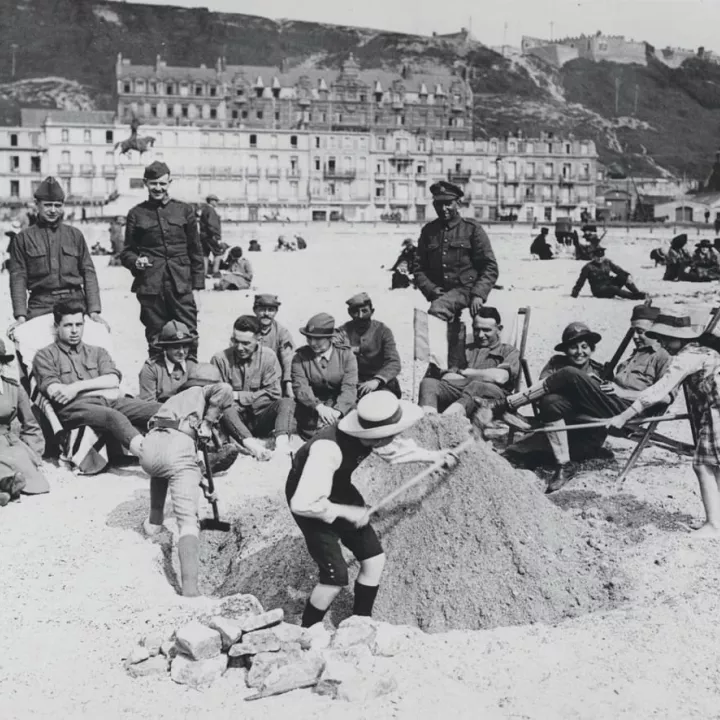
(380, 415)
(675, 326)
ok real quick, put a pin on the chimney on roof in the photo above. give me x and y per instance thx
(283, 65)
(218, 65)
(158, 63)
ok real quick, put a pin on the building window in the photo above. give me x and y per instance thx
(153, 110)
(548, 171)
(317, 141)
(293, 141)
(169, 111)
(421, 145)
(64, 135)
(244, 114)
(34, 164)
(140, 86)
(253, 141)
(568, 148)
(184, 111)
(276, 93)
(234, 114)
(14, 139)
(198, 90)
(277, 115)
(530, 170)
(213, 114)
(35, 139)
(259, 114)
(316, 163)
(239, 92)
(273, 141)
(380, 167)
(109, 137)
(421, 169)
(213, 91)
(511, 147)
(529, 148)
(583, 149)
(381, 143)
(168, 89)
(14, 188)
(86, 136)
(294, 188)
(153, 88)
(126, 87)
(380, 190)
(14, 163)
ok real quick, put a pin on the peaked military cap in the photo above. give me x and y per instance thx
(266, 300)
(212, 197)
(444, 190)
(50, 191)
(359, 300)
(645, 312)
(156, 170)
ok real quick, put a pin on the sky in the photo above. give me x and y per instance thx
(675, 23)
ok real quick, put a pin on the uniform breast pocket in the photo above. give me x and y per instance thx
(459, 247)
(69, 260)
(38, 263)
(176, 230)
(91, 368)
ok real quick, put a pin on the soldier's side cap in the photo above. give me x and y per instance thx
(50, 191)
(644, 312)
(156, 170)
(359, 300)
(444, 190)
(266, 300)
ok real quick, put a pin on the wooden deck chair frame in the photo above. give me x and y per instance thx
(522, 320)
(81, 449)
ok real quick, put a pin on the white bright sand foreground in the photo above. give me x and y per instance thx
(79, 584)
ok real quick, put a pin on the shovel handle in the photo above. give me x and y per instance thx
(415, 479)
(211, 484)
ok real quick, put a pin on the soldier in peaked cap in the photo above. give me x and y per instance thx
(163, 252)
(455, 265)
(275, 336)
(50, 261)
(374, 346)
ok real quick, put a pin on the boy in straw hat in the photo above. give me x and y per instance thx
(695, 362)
(330, 510)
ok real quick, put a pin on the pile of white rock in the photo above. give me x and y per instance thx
(278, 657)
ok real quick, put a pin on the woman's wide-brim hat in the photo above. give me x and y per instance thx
(321, 325)
(676, 326)
(174, 334)
(575, 332)
(380, 415)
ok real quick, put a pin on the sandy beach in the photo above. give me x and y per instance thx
(80, 583)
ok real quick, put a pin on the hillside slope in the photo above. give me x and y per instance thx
(74, 43)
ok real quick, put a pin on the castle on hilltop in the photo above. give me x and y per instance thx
(611, 48)
(598, 47)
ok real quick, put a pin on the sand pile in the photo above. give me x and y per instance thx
(479, 547)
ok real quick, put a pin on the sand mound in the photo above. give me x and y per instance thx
(479, 547)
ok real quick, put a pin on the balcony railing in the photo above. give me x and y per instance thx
(567, 180)
(272, 173)
(293, 173)
(205, 172)
(64, 170)
(456, 176)
(254, 173)
(109, 171)
(338, 174)
(87, 170)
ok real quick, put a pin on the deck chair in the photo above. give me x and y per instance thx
(80, 449)
(517, 335)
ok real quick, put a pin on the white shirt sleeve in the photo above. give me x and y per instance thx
(685, 363)
(311, 497)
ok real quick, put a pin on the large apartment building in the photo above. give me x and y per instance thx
(300, 174)
(262, 97)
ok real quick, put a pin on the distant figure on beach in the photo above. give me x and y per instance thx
(404, 267)
(541, 245)
(678, 258)
(607, 280)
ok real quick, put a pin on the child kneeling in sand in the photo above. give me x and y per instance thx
(330, 510)
(696, 362)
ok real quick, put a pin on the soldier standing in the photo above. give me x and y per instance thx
(50, 262)
(163, 252)
(211, 235)
(455, 265)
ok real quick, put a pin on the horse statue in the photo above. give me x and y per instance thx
(141, 144)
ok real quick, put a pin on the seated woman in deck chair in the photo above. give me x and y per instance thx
(571, 385)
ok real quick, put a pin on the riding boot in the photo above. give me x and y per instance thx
(564, 469)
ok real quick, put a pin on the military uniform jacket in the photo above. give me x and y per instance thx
(457, 254)
(210, 229)
(375, 351)
(167, 235)
(44, 259)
